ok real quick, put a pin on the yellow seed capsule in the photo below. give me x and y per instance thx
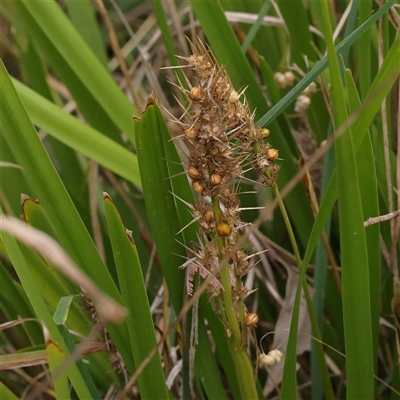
(191, 133)
(194, 173)
(215, 179)
(272, 154)
(251, 319)
(209, 216)
(224, 229)
(265, 132)
(197, 186)
(195, 93)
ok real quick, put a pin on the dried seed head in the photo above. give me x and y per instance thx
(271, 154)
(194, 173)
(215, 179)
(224, 229)
(197, 186)
(209, 216)
(195, 93)
(265, 132)
(251, 319)
(191, 133)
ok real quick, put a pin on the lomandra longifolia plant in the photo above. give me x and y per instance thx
(222, 141)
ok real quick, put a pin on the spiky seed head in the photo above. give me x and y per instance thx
(191, 133)
(194, 173)
(197, 186)
(215, 179)
(251, 319)
(224, 229)
(271, 154)
(195, 93)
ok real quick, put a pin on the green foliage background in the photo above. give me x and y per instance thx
(69, 89)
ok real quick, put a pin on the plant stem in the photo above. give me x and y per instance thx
(243, 367)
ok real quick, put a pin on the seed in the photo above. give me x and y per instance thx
(251, 319)
(265, 132)
(194, 173)
(215, 179)
(272, 154)
(280, 80)
(197, 186)
(265, 360)
(195, 93)
(233, 97)
(191, 133)
(223, 229)
(209, 216)
(290, 78)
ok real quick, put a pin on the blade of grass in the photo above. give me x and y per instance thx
(6, 393)
(79, 136)
(55, 34)
(321, 66)
(370, 205)
(256, 26)
(354, 256)
(167, 37)
(55, 358)
(30, 153)
(134, 297)
(60, 317)
(40, 307)
(84, 19)
(296, 19)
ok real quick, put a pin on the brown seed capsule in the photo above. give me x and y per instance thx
(195, 93)
(226, 192)
(251, 319)
(265, 132)
(197, 186)
(215, 179)
(272, 154)
(224, 229)
(191, 133)
(194, 173)
(209, 216)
